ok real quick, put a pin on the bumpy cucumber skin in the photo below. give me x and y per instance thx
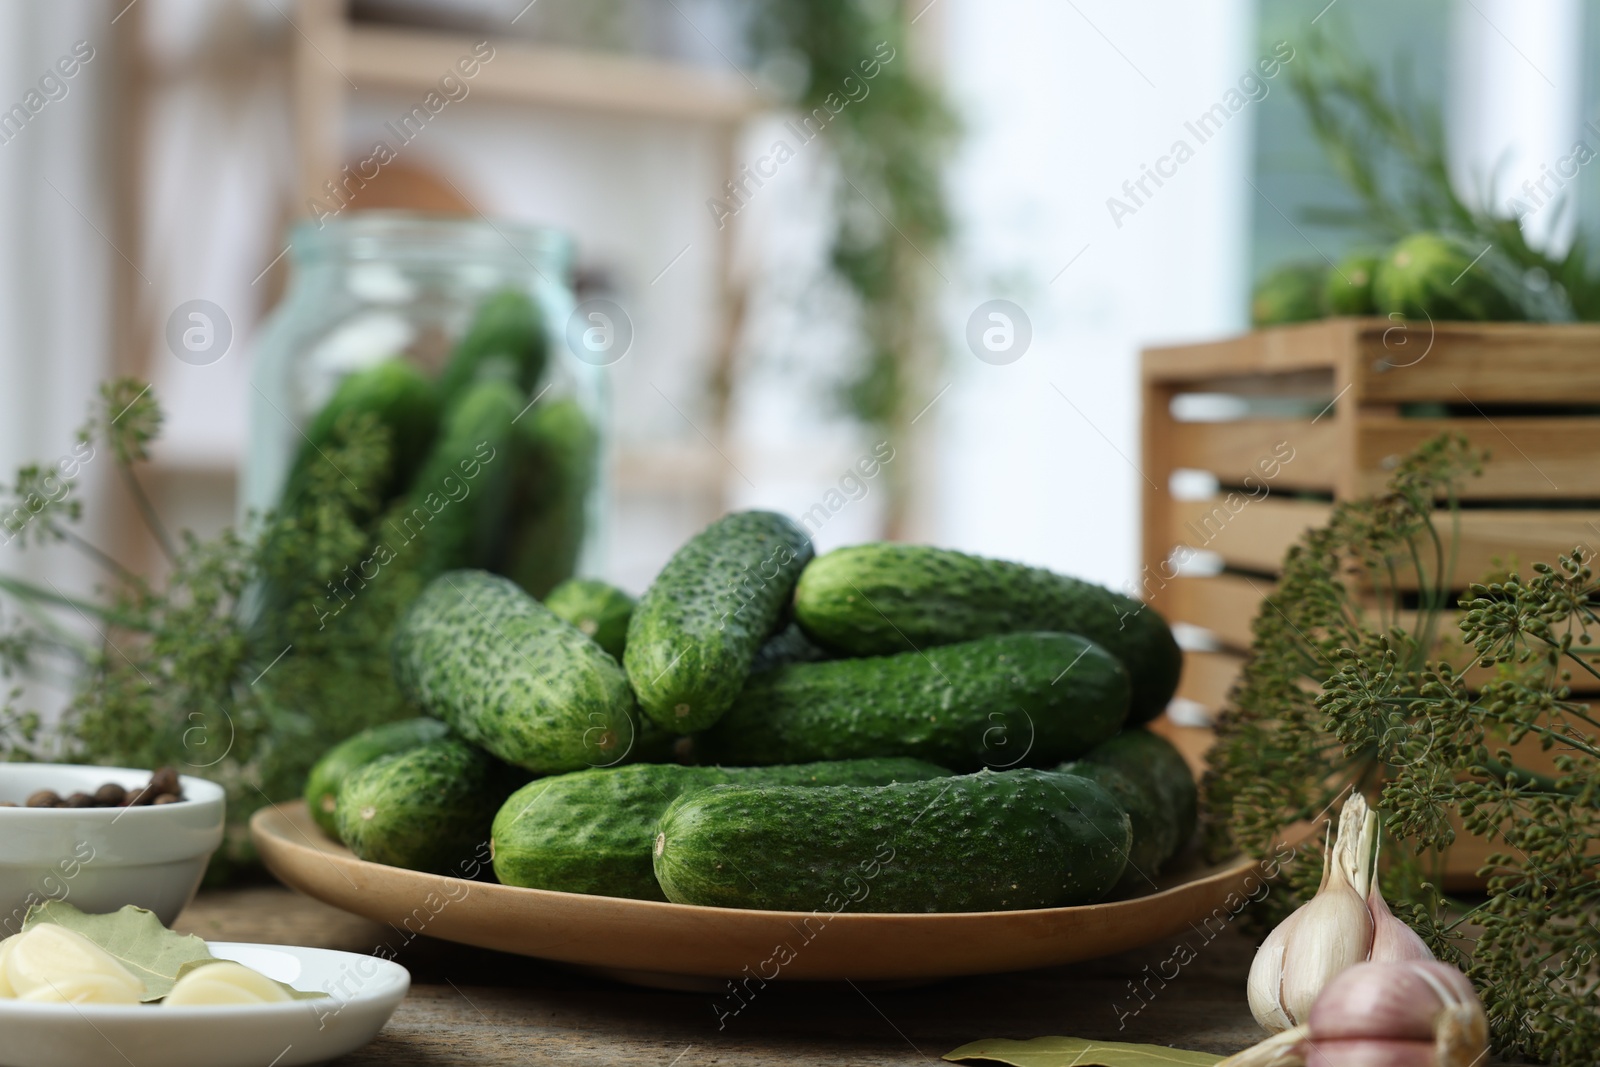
(981, 842)
(788, 645)
(868, 600)
(427, 809)
(1154, 837)
(1030, 699)
(557, 451)
(400, 396)
(1153, 761)
(590, 831)
(355, 752)
(457, 504)
(508, 329)
(599, 609)
(506, 673)
(698, 627)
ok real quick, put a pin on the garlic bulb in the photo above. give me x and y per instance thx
(1325, 935)
(1412, 1013)
(224, 982)
(46, 962)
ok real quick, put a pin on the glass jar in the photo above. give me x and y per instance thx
(373, 287)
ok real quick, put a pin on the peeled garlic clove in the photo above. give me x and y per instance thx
(6, 992)
(1369, 1052)
(51, 954)
(83, 989)
(224, 982)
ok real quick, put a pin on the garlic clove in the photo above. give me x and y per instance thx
(49, 954)
(87, 988)
(224, 982)
(1416, 1001)
(1265, 985)
(1369, 1052)
(1334, 934)
(6, 991)
(1379, 1001)
(1392, 940)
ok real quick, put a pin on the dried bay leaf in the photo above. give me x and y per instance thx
(1079, 1052)
(150, 951)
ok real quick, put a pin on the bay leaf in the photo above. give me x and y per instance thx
(1079, 1052)
(150, 951)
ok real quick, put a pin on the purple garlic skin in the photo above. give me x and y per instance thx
(1412, 1002)
(1369, 1052)
(1392, 940)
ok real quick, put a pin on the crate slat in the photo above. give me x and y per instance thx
(1249, 449)
(1260, 354)
(1481, 362)
(1224, 604)
(1248, 534)
(1256, 535)
(1540, 458)
(1207, 677)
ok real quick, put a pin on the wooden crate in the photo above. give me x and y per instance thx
(1517, 390)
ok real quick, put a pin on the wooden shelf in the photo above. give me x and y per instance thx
(626, 86)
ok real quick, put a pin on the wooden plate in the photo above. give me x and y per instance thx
(655, 943)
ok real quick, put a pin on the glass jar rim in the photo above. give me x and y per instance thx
(390, 234)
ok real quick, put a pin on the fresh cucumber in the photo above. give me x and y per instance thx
(1026, 699)
(981, 842)
(590, 831)
(788, 645)
(1150, 760)
(355, 752)
(1150, 828)
(868, 600)
(698, 627)
(506, 339)
(597, 608)
(456, 507)
(405, 403)
(426, 809)
(557, 464)
(510, 675)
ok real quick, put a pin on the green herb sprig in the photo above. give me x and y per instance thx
(187, 672)
(1337, 695)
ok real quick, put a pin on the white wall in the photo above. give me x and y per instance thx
(1062, 104)
(55, 271)
(1514, 110)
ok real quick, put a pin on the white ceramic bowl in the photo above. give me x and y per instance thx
(364, 992)
(99, 859)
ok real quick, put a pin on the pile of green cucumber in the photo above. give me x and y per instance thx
(887, 727)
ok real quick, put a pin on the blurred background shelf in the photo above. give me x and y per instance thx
(410, 59)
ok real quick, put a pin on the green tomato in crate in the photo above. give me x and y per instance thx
(1290, 293)
(1348, 287)
(1438, 277)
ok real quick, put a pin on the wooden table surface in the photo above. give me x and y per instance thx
(477, 1007)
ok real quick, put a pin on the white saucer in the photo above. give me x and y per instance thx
(364, 992)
